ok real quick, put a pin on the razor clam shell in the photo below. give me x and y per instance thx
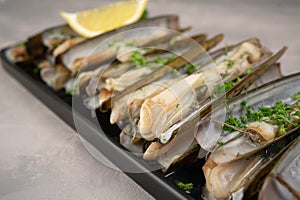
(84, 48)
(284, 180)
(126, 141)
(264, 96)
(38, 44)
(107, 51)
(17, 53)
(245, 175)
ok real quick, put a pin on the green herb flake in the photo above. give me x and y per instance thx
(133, 123)
(279, 114)
(177, 105)
(138, 59)
(220, 143)
(68, 92)
(113, 43)
(243, 104)
(296, 96)
(185, 186)
(163, 61)
(36, 70)
(226, 50)
(230, 63)
(145, 15)
(22, 44)
(282, 130)
(129, 44)
(190, 68)
(232, 121)
(164, 140)
(249, 71)
(172, 41)
(224, 87)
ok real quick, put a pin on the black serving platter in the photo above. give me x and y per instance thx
(105, 137)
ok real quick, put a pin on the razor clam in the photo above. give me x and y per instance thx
(55, 76)
(47, 74)
(184, 127)
(177, 63)
(80, 52)
(238, 178)
(48, 39)
(17, 53)
(260, 133)
(64, 46)
(284, 180)
(130, 104)
(163, 110)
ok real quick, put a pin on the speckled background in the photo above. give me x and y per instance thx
(42, 158)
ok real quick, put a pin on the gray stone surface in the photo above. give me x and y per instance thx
(42, 158)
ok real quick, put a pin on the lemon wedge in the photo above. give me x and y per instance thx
(90, 23)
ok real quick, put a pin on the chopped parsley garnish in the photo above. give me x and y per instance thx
(220, 143)
(68, 92)
(145, 15)
(223, 87)
(226, 50)
(129, 44)
(185, 186)
(177, 105)
(172, 41)
(111, 44)
(36, 70)
(56, 45)
(279, 114)
(138, 59)
(296, 96)
(163, 61)
(21, 44)
(190, 68)
(233, 121)
(164, 140)
(249, 71)
(62, 32)
(230, 63)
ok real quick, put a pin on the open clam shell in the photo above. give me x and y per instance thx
(241, 179)
(242, 145)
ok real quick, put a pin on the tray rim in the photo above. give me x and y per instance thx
(152, 182)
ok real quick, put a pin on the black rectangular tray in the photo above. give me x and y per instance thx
(155, 183)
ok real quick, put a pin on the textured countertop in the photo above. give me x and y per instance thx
(42, 158)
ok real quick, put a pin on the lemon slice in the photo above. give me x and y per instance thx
(90, 23)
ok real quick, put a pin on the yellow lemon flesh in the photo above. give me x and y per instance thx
(93, 22)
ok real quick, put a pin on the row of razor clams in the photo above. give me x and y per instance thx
(173, 97)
